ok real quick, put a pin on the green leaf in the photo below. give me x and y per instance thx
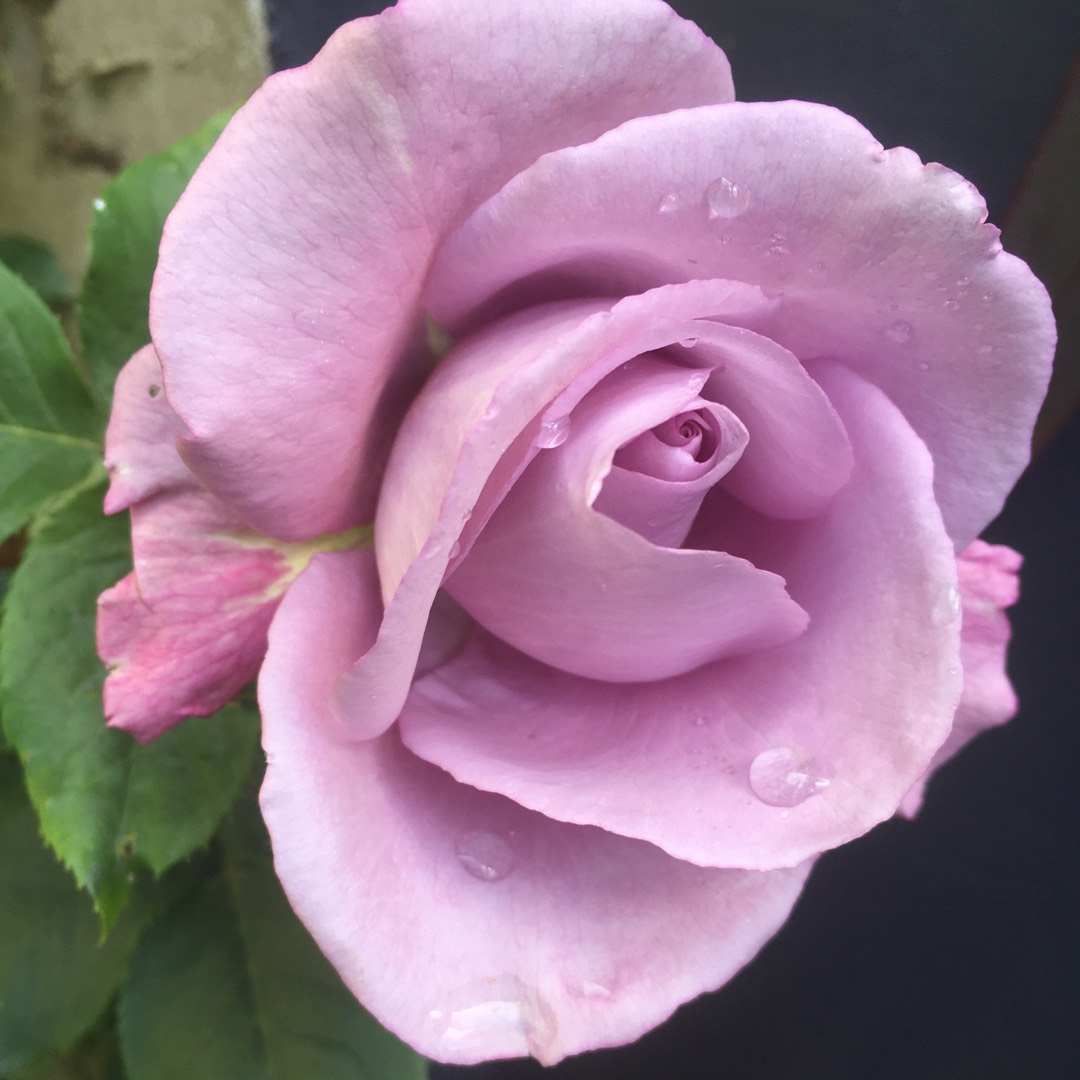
(50, 432)
(38, 267)
(107, 805)
(124, 238)
(56, 976)
(235, 968)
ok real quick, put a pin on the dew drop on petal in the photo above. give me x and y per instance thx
(553, 433)
(952, 304)
(946, 606)
(455, 549)
(786, 776)
(669, 203)
(924, 365)
(688, 342)
(498, 1015)
(984, 350)
(697, 381)
(726, 199)
(899, 331)
(485, 855)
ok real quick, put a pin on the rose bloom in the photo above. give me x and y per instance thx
(589, 466)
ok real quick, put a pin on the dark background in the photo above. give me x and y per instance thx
(947, 948)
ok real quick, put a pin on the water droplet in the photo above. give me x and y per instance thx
(899, 331)
(946, 606)
(924, 365)
(498, 1015)
(725, 239)
(99, 205)
(688, 342)
(699, 721)
(455, 549)
(154, 390)
(725, 199)
(817, 268)
(697, 381)
(776, 246)
(553, 433)
(952, 304)
(786, 776)
(592, 991)
(984, 350)
(963, 282)
(987, 296)
(930, 275)
(487, 856)
(669, 203)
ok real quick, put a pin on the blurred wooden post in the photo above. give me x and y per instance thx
(87, 86)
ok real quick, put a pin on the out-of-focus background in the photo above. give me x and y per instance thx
(947, 948)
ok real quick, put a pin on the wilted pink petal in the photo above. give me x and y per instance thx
(187, 630)
(987, 575)
(524, 936)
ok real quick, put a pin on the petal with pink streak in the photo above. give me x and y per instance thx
(187, 630)
(868, 692)
(883, 263)
(988, 582)
(140, 444)
(575, 589)
(303, 241)
(473, 430)
(375, 848)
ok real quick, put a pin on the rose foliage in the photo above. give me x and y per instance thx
(589, 466)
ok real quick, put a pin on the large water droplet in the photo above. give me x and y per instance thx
(726, 199)
(688, 342)
(498, 1015)
(553, 433)
(697, 381)
(487, 856)
(946, 606)
(786, 776)
(899, 331)
(669, 203)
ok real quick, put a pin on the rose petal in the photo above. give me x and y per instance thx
(869, 690)
(470, 433)
(883, 263)
(575, 589)
(187, 630)
(140, 444)
(330, 190)
(987, 575)
(376, 848)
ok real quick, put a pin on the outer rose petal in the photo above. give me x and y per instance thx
(140, 444)
(187, 629)
(882, 262)
(987, 576)
(576, 939)
(337, 181)
(870, 688)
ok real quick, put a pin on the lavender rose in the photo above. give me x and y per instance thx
(586, 637)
